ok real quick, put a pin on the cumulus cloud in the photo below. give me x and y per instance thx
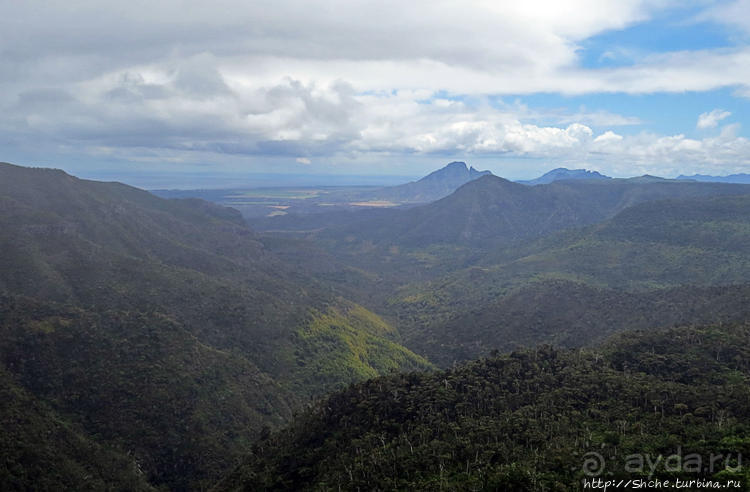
(474, 46)
(148, 114)
(295, 78)
(608, 136)
(474, 33)
(712, 119)
(672, 154)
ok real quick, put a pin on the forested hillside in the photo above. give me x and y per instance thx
(156, 342)
(654, 263)
(164, 328)
(40, 450)
(539, 419)
(649, 266)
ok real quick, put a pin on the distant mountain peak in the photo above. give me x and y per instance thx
(460, 164)
(434, 186)
(647, 178)
(455, 171)
(562, 173)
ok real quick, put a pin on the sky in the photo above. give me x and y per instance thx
(350, 87)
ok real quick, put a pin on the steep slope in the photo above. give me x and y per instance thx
(174, 291)
(562, 313)
(178, 407)
(39, 450)
(642, 268)
(562, 173)
(435, 185)
(533, 420)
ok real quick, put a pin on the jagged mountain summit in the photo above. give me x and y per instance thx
(454, 172)
(436, 185)
(562, 173)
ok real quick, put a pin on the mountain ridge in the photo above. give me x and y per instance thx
(120, 273)
(562, 173)
(434, 186)
(654, 263)
(494, 210)
(732, 178)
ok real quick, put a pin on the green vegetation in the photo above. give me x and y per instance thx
(652, 265)
(491, 211)
(143, 384)
(42, 451)
(343, 346)
(560, 312)
(526, 421)
(150, 343)
(163, 328)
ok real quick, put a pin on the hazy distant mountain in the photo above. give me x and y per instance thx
(732, 178)
(495, 210)
(434, 186)
(453, 175)
(562, 173)
(647, 178)
(257, 203)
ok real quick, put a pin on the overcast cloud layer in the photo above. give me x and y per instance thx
(304, 84)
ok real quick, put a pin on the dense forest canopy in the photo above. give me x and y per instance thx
(536, 419)
(492, 339)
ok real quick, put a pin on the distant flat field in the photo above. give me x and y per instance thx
(279, 193)
(262, 202)
(374, 203)
(267, 203)
(246, 195)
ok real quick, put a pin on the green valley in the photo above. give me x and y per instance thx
(159, 342)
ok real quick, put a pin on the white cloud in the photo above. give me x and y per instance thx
(127, 116)
(467, 48)
(712, 119)
(608, 136)
(665, 154)
(600, 118)
(474, 33)
(474, 46)
(733, 13)
(298, 78)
